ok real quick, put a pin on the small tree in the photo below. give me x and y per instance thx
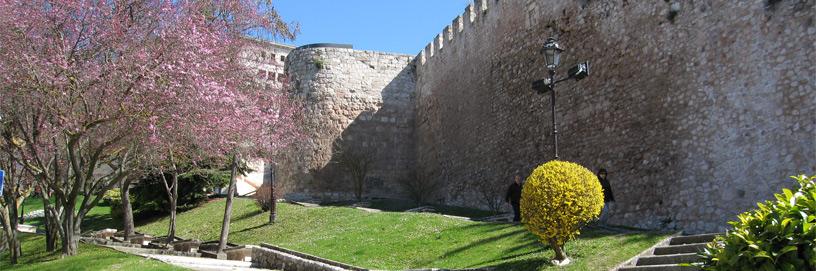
(356, 162)
(421, 190)
(266, 198)
(556, 200)
(491, 194)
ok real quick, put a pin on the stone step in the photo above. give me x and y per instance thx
(152, 251)
(692, 239)
(679, 249)
(668, 259)
(662, 267)
(204, 264)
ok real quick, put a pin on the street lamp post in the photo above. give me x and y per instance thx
(552, 54)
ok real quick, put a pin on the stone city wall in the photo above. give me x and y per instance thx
(362, 99)
(698, 109)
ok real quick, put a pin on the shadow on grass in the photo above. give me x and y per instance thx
(99, 221)
(248, 215)
(249, 229)
(482, 242)
(520, 257)
(483, 227)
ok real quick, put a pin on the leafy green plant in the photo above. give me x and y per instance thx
(110, 197)
(779, 235)
(319, 63)
(113, 198)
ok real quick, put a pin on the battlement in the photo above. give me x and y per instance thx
(475, 11)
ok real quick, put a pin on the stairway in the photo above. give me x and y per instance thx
(669, 256)
(205, 264)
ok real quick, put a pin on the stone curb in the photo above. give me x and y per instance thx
(311, 257)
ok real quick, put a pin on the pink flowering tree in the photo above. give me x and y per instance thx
(92, 88)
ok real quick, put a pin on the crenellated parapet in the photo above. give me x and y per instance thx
(460, 25)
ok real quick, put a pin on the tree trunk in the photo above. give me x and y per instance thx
(172, 196)
(358, 190)
(52, 232)
(9, 220)
(272, 203)
(171, 231)
(20, 212)
(222, 242)
(52, 227)
(70, 238)
(127, 209)
(560, 254)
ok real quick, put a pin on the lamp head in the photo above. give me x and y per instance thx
(552, 53)
(580, 71)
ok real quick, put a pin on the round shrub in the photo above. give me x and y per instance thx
(110, 197)
(779, 235)
(113, 198)
(557, 199)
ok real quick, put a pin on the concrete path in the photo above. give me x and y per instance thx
(26, 228)
(193, 263)
(204, 264)
(370, 210)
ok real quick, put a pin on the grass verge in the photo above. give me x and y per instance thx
(90, 257)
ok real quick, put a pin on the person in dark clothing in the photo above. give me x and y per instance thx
(609, 198)
(514, 197)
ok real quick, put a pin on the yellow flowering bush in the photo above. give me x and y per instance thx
(557, 199)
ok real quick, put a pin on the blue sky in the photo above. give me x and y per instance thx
(401, 26)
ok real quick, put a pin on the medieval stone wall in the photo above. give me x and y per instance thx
(698, 109)
(362, 99)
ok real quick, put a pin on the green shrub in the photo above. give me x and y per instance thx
(319, 63)
(113, 198)
(557, 199)
(110, 196)
(195, 187)
(779, 235)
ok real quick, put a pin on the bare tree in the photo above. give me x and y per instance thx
(421, 190)
(491, 194)
(356, 162)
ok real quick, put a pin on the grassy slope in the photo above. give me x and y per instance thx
(401, 240)
(89, 258)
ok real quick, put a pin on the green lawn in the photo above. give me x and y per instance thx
(393, 240)
(90, 257)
